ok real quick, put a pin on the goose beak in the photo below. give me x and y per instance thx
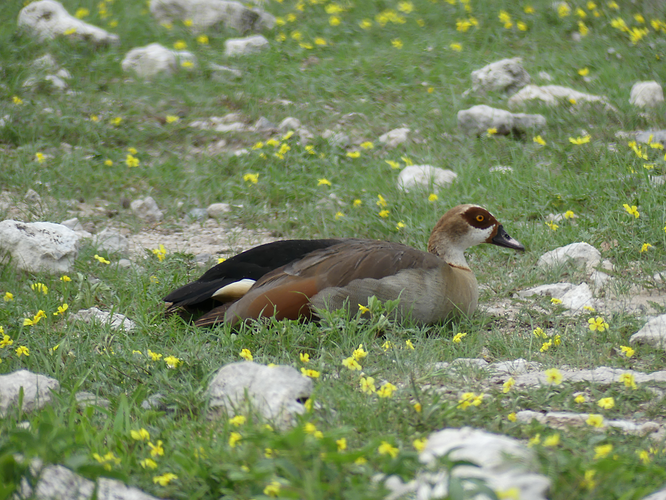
(503, 239)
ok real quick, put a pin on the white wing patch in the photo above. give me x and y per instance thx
(234, 290)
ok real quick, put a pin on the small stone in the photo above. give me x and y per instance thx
(154, 402)
(31, 196)
(154, 59)
(115, 321)
(289, 123)
(426, 177)
(305, 135)
(221, 73)
(394, 137)
(545, 76)
(577, 298)
(278, 392)
(111, 241)
(653, 333)
(197, 214)
(263, 124)
(552, 95)
(85, 399)
(211, 15)
(124, 263)
(217, 210)
(507, 75)
(337, 139)
(580, 253)
(477, 120)
(147, 209)
(555, 290)
(646, 94)
(36, 390)
(245, 46)
(48, 19)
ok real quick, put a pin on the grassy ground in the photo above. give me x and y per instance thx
(406, 71)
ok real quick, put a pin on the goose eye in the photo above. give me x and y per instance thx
(480, 218)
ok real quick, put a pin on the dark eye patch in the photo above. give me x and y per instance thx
(479, 217)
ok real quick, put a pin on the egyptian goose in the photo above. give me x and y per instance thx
(292, 279)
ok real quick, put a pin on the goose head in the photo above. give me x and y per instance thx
(465, 226)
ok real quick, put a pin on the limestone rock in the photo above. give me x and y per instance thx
(114, 320)
(425, 176)
(394, 137)
(56, 482)
(478, 119)
(147, 209)
(289, 123)
(210, 14)
(653, 333)
(245, 46)
(657, 495)
(337, 139)
(552, 95)
(222, 73)
(216, 210)
(577, 298)
(75, 225)
(154, 59)
(646, 94)
(507, 75)
(278, 393)
(513, 368)
(564, 420)
(36, 390)
(652, 136)
(602, 375)
(84, 399)
(39, 246)
(47, 19)
(503, 463)
(110, 240)
(581, 253)
(554, 290)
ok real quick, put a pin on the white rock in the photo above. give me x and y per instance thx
(394, 137)
(278, 393)
(111, 241)
(36, 390)
(513, 368)
(85, 399)
(245, 46)
(207, 14)
(507, 75)
(115, 321)
(564, 420)
(154, 59)
(646, 94)
(503, 463)
(552, 95)
(147, 209)
(425, 176)
(581, 253)
(577, 298)
(221, 73)
(599, 279)
(305, 135)
(75, 225)
(289, 123)
(545, 76)
(555, 290)
(112, 489)
(602, 375)
(39, 246)
(657, 495)
(56, 482)
(339, 139)
(47, 61)
(650, 136)
(653, 333)
(47, 19)
(478, 119)
(216, 210)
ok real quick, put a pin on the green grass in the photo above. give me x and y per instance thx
(360, 82)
